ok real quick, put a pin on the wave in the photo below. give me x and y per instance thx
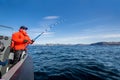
(81, 72)
(76, 63)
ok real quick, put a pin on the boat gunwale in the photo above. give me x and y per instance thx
(8, 75)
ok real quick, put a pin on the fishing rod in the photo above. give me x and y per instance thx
(41, 34)
(38, 36)
(46, 30)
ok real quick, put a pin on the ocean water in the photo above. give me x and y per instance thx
(76, 62)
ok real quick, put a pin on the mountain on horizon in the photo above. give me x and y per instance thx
(106, 43)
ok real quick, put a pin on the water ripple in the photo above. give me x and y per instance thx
(76, 62)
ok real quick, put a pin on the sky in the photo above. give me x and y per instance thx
(64, 21)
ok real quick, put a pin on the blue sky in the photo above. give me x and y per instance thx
(76, 21)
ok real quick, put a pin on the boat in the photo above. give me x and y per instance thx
(23, 70)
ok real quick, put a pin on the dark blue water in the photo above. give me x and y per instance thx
(76, 62)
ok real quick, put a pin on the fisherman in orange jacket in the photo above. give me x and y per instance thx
(20, 41)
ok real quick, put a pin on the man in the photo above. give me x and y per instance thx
(20, 41)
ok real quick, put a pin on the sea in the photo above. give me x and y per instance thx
(75, 62)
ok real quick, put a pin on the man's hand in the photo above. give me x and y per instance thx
(32, 41)
(25, 41)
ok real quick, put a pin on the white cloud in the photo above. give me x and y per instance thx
(111, 36)
(49, 33)
(51, 17)
(80, 39)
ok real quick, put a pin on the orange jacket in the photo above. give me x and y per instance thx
(18, 40)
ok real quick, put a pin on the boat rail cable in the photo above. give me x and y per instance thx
(7, 27)
(47, 29)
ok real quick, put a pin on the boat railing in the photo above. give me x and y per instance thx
(5, 42)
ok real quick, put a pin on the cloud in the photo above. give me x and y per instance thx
(105, 36)
(111, 36)
(80, 39)
(51, 17)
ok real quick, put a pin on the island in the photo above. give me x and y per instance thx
(106, 43)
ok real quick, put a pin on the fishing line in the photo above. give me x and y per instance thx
(47, 29)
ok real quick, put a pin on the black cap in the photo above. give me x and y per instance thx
(23, 27)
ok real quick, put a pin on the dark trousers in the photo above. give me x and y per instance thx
(17, 56)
